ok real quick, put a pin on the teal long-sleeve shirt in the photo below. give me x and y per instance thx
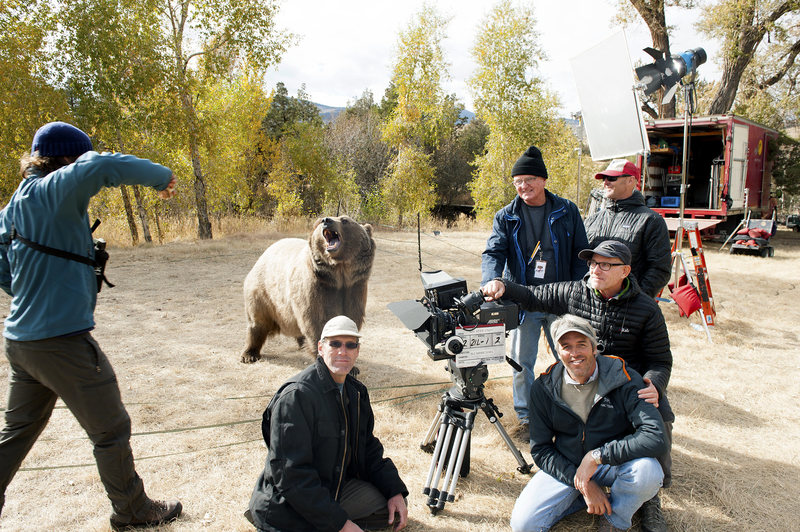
(53, 296)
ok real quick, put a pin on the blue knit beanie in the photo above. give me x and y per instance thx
(530, 163)
(58, 139)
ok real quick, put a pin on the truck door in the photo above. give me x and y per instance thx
(738, 166)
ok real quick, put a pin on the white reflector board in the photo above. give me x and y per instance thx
(609, 104)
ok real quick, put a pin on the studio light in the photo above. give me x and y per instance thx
(666, 72)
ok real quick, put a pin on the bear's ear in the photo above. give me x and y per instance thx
(367, 228)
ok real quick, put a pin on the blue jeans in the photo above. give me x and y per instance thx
(524, 349)
(545, 500)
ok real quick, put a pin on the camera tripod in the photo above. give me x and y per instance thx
(455, 419)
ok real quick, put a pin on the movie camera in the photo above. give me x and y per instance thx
(468, 332)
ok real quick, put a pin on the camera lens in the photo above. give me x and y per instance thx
(454, 345)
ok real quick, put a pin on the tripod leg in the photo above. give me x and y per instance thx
(429, 436)
(435, 458)
(440, 458)
(455, 453)
(462, 449)
(491, 412)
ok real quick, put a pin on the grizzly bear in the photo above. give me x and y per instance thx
(297, 285)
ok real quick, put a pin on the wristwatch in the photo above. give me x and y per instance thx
(597, 456)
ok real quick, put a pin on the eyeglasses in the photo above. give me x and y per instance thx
(527, 181)
(605, 266)
(336, 344)
(612, 178)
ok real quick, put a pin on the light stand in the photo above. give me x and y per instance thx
(688, 90)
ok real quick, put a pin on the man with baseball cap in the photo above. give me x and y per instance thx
(46, 255)
(590, 429)
(628, 324)
(325, 469)
(626, 218)
(535, 241)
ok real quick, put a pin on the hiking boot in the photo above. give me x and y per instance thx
(155, 513)
(652, 518)
(522, 432)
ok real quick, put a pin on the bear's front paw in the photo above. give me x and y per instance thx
(250, 357)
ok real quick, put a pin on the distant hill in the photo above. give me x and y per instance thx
(329, 113)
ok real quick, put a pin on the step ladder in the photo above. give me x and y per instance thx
(698, 278)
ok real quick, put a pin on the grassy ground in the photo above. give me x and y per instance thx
(174, 328)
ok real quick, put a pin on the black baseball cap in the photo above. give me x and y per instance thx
(608, 248)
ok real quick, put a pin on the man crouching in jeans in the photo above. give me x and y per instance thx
(589, 431)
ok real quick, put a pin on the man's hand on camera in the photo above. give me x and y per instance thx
(492, 290)
(168, 192)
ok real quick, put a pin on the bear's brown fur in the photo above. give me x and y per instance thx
(297, 285)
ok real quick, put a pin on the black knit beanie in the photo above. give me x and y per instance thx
(58, 139)
(530, 163)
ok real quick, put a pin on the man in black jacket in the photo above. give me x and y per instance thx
(627, 219)
(325, 469)
(628, 324)
(589, 429)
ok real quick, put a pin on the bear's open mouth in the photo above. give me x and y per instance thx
(331, 239)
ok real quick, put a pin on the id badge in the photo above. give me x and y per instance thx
(539, 268)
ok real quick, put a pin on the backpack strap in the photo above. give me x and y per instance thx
(98, 263)
(51, 251)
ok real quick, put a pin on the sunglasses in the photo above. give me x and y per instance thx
(612, 178)
(336, 344)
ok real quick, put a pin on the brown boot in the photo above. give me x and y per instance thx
(155, 513)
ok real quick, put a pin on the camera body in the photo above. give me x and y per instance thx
(448, 311)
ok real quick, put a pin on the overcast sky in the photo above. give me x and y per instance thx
(347, 46)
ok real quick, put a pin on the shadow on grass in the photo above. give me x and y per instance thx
(691, 403)
(719, 489)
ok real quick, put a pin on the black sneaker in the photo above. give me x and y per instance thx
(156, 513)
(652, 518)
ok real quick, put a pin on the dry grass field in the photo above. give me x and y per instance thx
(174, 328)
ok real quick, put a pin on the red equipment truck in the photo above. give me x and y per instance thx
(729, 170)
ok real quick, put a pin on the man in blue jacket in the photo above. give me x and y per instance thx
(535, 240)
(48, 344)
(589, 430)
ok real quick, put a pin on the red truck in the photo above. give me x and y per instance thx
(728, 170)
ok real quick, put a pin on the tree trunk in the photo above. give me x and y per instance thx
(137, 194)
(126, 201)
(203, 223)
(740, 52)
(729, 85)
(158, 227)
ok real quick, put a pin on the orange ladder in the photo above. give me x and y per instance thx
(703, 284)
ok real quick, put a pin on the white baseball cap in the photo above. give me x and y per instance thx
(340, 326)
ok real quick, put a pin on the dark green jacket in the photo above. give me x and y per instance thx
(306, 429)
(623, 426)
